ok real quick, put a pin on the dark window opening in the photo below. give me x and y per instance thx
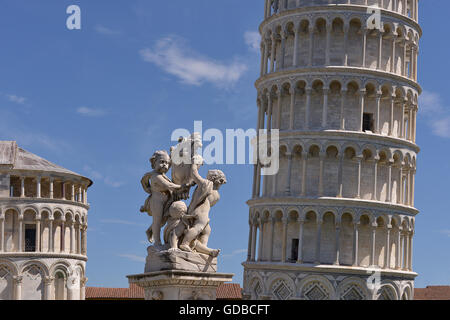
(368, 122)
(294, 250)
(30, 238)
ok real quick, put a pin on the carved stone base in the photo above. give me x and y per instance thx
(159, 259)
(180, 285)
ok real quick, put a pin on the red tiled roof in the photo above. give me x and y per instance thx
(133, 292)
(227, 291)
(432, 293)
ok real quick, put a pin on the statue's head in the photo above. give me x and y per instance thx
(160, 161)
(217, 177)
(178, 209)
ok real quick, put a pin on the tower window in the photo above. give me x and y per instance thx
(294, 249)
(368, 122)
(30, 238)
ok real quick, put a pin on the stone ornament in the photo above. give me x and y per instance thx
(186, 228)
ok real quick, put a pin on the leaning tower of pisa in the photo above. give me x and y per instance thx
(337, 220)
(43, 228)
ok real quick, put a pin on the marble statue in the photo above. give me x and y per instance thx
(186, 227)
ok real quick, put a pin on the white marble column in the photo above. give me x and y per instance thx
(380, 50)
(250, 238)
(342, 115)
(326, 91)
(411, 236)
(38, 187)
(401, 186)
(308, 107)
(279, 106)
(272, 54)
(372, 245)
(346, 33)
(266, 56)
(337, 244)
(51, 247)
(393, 65)
(364, 47)
(52, 193)
(254, 234)
(284, 243)
(283, 51)
(387, 251)
(292, 108)
(361, 108)
(304, 171)
(288, 182)
(72, 237)
(327, 43)
(48, 282)
(20, 249)
(269, 112)
(63, 235)
(358, 194)
(311, 46)
(375, 178)
(318, 240)
(378, 106)
(271, 234)
(22, 187)
(356, 244)
(300, 241)
(340, 176)
(296, 37)
(260, 239)
(72, 195)
(391, 118)
(398, 262)
(17, 287)
(389, 186)
(322, 157)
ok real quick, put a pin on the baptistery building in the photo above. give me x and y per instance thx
(43, 224)
(338, 79)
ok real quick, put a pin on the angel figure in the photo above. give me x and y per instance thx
(161, 190)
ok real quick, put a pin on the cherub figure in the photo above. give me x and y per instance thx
(161, 190)
(205, 196)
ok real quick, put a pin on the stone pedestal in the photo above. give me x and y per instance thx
(180, 285)
(179, 275)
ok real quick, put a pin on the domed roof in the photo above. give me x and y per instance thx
(15, 158)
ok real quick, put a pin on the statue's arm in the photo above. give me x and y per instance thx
(145, 183)
(198, 179)
(167, 185)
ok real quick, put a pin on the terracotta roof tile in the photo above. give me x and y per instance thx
(432, 293)
(227, 291)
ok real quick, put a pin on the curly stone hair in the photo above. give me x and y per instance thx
(216, 176)
(158, 155)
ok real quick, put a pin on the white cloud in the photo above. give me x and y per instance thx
(95, 175)
(106, 31)
(235, 253)
(441, 127)
(253, 40)
(122, 222)
(132, 257)
(432, 107)
(446, 232)
(173, 56)
(16, 99)
(91, 112)
(430, 102)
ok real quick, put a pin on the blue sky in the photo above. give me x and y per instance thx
(100, 100)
